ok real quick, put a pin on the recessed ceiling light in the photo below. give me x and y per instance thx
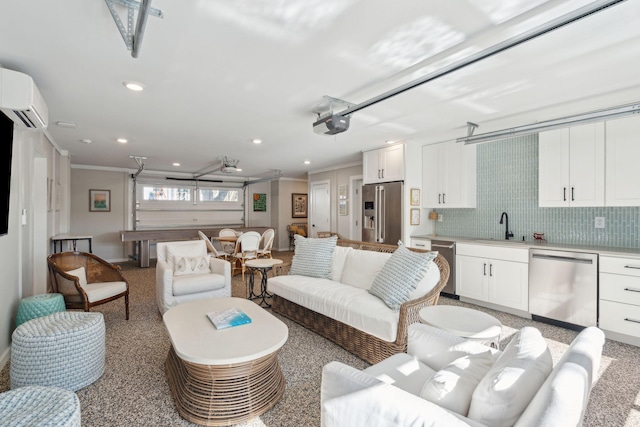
(86, 141)
(133, 86)
(176, 164)
(122, 140)
(67, 125)
(307, 162)
(238, 170)
(257, 141)
(391, 141)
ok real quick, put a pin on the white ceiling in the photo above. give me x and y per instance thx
(218, 74)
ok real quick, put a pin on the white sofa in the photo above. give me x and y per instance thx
(341, 308)
(179, 278)
(491, 388)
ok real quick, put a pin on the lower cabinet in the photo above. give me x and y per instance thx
(499, 275)
(620, 295)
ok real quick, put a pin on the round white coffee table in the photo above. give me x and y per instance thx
(226, 376)
(463, 322)
(263, 265)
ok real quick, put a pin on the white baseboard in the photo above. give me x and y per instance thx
(4, 358)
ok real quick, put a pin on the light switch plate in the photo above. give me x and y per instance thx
(440, 216)
(599, 222)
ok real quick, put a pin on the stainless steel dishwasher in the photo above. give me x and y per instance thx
(448, 250)
(563, 287)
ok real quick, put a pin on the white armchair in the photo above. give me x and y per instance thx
(185, 272)
(428, 385)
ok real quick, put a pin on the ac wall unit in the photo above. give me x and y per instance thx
(21, 101)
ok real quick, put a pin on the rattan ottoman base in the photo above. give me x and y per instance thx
(224, 395)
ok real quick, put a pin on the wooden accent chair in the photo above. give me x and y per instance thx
(85, 280)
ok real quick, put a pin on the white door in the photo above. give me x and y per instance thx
(586, 164)
(508, 284)
(472, 277)
(553, 168)
(371, 166)
(320, 208)
(623, 152)
(431, 194)
(355, 229)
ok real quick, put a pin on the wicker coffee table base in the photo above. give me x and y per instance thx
(224, 395)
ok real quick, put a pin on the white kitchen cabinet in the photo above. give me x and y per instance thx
(620, 295)
(421, 243)
(571, 166)
(622, 154)
(495, 274)
(384, 164)
(449, 175)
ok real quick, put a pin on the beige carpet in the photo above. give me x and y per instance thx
(134, 392)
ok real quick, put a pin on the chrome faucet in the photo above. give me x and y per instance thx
(507, 233)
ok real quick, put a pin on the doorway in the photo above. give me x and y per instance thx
(355, 220)
(320, 208)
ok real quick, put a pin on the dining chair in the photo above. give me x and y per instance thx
(211, 248)
(246, 249)
(266, 243)
(228, 247)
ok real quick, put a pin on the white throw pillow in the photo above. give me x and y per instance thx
(509, 386)
(400, 276)
(362, 267)
(452, 386)
(428, 281)
(195, 248)
(313, 257)
(191, 265)
(338, 260)
(80, 273)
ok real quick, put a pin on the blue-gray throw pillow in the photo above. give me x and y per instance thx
(400, 276)
(312, 257)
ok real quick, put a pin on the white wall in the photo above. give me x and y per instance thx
(258, 219)
(105, 227)
(286, 187)
(24, 249)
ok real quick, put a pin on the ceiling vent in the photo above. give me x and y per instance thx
(21, 101)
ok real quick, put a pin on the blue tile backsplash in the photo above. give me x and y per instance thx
(508, 182)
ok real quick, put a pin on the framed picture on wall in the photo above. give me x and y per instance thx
(259, 202)
(415, 197)
(99, 200)
(298, 205)
(415, 216)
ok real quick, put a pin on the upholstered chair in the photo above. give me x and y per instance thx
(186, 272)
(86, 280)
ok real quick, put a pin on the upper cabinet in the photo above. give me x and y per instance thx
(572, 167)
(449, 175)
(623, 171)
(384, 164)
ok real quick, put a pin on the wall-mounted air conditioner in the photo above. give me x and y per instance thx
(21, 101)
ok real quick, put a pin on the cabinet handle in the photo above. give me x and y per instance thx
(572, 198)
(632, 289)
(631, 320)
(484, 269)
(491, 270)
(631, 266)
(422, 245)
(443, 202)
(379, 174)
(439, 196)
(564, 194)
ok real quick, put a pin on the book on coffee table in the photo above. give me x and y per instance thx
(228, 318)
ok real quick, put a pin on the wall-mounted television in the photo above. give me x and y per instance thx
(6, 148)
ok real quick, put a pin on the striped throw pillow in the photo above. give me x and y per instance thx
(312, 257)
(400, 276)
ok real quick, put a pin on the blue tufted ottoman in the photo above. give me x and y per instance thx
(63, 350)
(38, 306)
(39, 406)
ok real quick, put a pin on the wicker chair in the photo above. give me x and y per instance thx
(266, 241)
(212, 249)
(367, 347)
(246, 249)
(100, 282)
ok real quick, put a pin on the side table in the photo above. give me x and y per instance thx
(463, 322)
(263, 265)
(39, 306)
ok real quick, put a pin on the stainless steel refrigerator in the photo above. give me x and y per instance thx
(382, 212)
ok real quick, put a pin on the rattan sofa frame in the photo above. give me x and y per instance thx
(97, 270)
(363, 345)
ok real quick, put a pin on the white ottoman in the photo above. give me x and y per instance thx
(39, 406)
(65, 350)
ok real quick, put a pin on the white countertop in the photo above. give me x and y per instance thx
(196, 340)
(602, 250)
